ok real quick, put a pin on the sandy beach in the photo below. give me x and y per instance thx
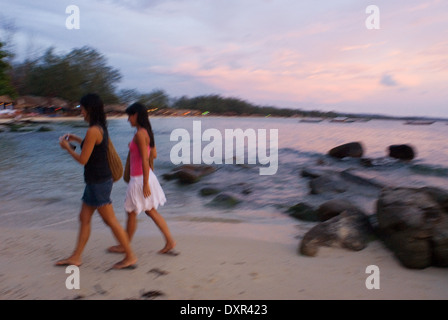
(209, 266)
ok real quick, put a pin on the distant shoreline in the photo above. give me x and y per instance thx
(46, 119)
(43, 119)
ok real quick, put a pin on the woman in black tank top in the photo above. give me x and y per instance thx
(98, 178)
(97, 169)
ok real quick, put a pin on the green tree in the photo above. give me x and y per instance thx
(128, 96)
(91, 69)
(69, 76)
(155, 99)
(6, 87)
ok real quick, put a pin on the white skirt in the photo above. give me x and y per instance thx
(136, 202)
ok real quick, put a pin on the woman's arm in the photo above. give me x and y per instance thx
(93, 136)
(152, 156)
(142, 141)
(154, 152)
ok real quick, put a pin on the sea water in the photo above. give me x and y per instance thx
(41, 185)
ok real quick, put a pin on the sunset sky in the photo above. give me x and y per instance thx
(312, 55)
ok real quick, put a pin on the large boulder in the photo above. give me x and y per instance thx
(351, 149)
(402, 152)
(349, 230)
(413, 223)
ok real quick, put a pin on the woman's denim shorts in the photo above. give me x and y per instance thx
(98, 194)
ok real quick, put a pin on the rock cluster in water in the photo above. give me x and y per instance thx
(412, 222)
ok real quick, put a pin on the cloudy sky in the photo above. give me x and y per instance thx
(312, 55)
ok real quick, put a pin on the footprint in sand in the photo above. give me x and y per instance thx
(158, 272)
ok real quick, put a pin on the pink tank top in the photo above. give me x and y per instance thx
(136, 159)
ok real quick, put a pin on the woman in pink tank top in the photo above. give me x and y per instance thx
(136, 159)
(144, 192)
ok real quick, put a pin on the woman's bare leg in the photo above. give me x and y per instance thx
(108, 215)
(85, 218)
(131, 227)
(163, 226)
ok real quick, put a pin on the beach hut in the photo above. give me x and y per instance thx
(45, 105)
(27, 102)
(58, 103)
(6, 103)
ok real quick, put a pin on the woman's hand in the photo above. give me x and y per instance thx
(72, 137)
(63, 142)
(146, 190)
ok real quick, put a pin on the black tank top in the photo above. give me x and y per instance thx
(97, 170)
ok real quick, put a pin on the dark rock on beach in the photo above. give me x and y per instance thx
(413, 223)
(303, 211)
(226, 196)
(208, 191)
(189, 173)
(351, 149)
(225, 200)
(402, 152)
(349, 229)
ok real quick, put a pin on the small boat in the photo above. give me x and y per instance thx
(311, 120)
(342, 120)
(361, 119)
(419, 122)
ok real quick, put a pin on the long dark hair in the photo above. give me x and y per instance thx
(94, 107)
(142, 119)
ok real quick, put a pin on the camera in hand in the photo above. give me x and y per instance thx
(71, 145)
